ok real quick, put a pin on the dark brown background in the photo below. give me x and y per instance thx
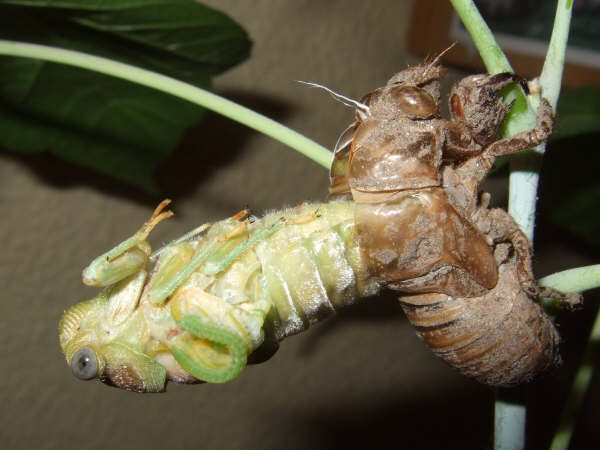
(360, 380)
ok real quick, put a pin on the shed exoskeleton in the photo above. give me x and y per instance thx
(424, 229)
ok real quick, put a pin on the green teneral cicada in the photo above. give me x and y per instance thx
(409, 217)
(199, 307)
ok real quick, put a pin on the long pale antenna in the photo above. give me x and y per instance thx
(362, 109)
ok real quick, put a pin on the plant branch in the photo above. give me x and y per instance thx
(573, 280)
(201, 97)
(509, 416)
(551, 76)
(493, 57)
(524, 168)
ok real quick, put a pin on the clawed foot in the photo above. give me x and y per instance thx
(568, 300)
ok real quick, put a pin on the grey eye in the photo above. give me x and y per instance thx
(84, 364)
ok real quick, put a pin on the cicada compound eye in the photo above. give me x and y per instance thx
(84, 364)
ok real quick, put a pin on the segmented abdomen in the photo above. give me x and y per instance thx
(307, 269)
(499, 340)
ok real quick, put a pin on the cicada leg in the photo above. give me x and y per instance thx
(198, 231)
(215, 257)
(166, 277)
(221, 335)
(463, 181)
(216, 356)
(126, 258)
(500, 226)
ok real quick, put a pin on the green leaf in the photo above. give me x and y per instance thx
(116, 127)
(578, 112)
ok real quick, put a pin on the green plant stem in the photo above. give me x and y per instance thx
(551, 76)
(573, 280)
(576, 279)
(493, 57)
(524, 168)
(509, 422)
(509, 416)
(206, 99)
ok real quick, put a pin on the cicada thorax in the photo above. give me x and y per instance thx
(417, 242)
(410, 234)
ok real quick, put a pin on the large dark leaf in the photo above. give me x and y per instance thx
(116, 127)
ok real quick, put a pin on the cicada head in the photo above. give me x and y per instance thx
(413, 93)
(426, 76)
(103, 338)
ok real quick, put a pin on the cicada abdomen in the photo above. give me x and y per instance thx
(501, 338)
(415, 177)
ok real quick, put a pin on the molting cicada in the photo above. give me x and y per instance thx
(408, 217)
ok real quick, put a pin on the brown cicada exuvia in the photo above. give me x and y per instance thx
(464, 269)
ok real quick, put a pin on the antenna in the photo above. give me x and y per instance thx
(362, 109)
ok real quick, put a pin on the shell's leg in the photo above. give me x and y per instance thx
(501, 227)
(219, 337)
(466, 178)
(126, 258)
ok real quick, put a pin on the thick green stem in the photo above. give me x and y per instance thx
(551, 76)
(524, 168)
(493, 57)
(509, 416)
(574, 280)
(174, 87)
(509, 422)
